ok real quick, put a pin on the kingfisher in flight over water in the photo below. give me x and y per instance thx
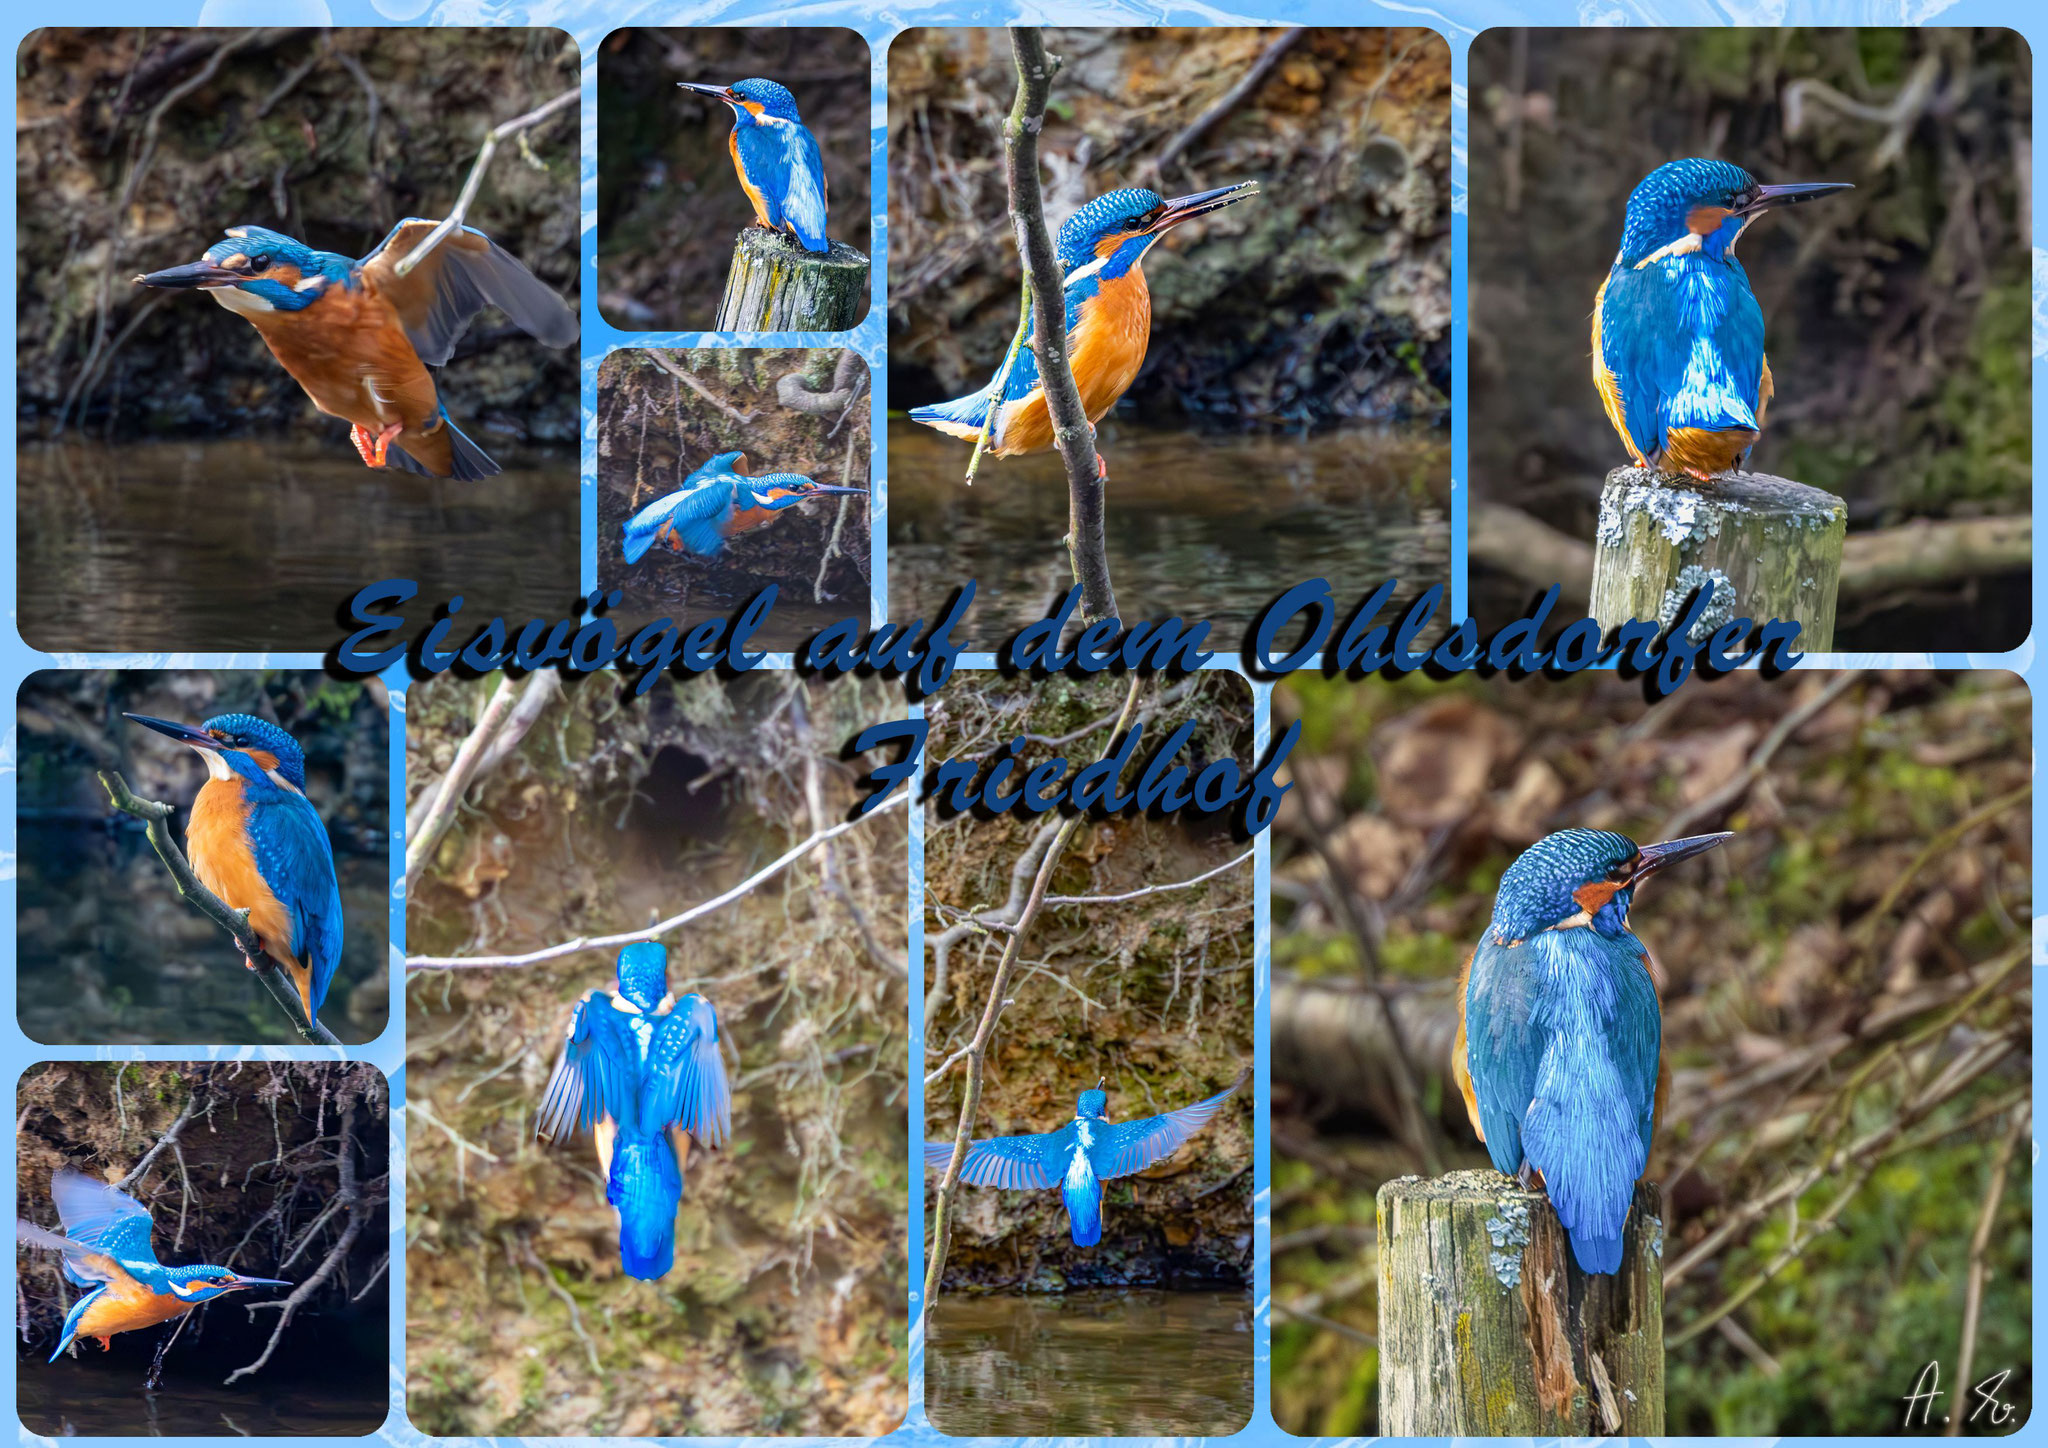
(1559, 1045)
(257, 842)
(107, 1252)
(777, 158)
(1678, 337)
(1080, 1156)
(641, 1070)
(359, 338)
(1101, 251)
(716, 502)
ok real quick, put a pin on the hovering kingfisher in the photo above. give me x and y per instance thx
(1558, 1052)
(714, 503)
(106, 1251)
(1080, 1156)
(1101, 251)
(359, 338)
(1678, 338)
(257, 842)
(641, 1071)
(777, 158)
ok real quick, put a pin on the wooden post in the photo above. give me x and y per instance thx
(1489, 1329)
(777, 286)
(1772, 547)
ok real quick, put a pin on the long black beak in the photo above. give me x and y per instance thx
(821, 488)
(183, 733)
(1652, 858)
(198, 274)
(716, 92)
(1791, 193)
(1187, 208)
(241, 1281)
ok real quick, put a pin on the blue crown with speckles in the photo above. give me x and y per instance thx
(1107, 214)
(772, 96)
(246, 732)
(1536, 890)
(1661, 203)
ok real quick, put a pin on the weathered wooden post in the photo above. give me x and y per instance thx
(1772, 547)
(1488, 1328)
(776, 286)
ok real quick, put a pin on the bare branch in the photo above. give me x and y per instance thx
(476, 176)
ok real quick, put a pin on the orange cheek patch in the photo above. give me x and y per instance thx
(1594, 897)
(1107, 245)
(1706, 220)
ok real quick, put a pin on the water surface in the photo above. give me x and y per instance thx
(1135, 1363)
(85, 1398)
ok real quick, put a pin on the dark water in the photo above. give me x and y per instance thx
(255, 544)
(1202, 526)
(102, 1397)
(1136, 1363)
(108, 954)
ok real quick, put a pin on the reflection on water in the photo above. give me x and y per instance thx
(255, 544)
(1102, 1364)
(1201, 525)
(96, 1399)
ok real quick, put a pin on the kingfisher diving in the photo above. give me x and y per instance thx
(777, 158)
(359, 338)
(1678, 337)
(1101, 251)
(106, 1251)
(716, 502)
(257, 842)
(1559, 1045)
(641, 1070)
(1080, 1156)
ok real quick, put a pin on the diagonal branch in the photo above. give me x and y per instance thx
(476, 176)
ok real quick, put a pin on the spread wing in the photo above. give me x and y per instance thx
(292, 851)
(686, 1083)
(1008, 1161)
(693, 513)
(98, 1219)
(459, 278)
(594, 1076)
(1503, 1048)
(1131, 1146)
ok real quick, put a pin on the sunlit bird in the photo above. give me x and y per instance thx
(1559, 1045)
(777, 158)
(1678, 337)
(1101, 251)
(107, 1252)
(359, 338)
(715, 503)
(1080, 1156)
(257, 842)
(641, 1070)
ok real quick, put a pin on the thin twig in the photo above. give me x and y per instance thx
(420, 843)
(1229, 100)
(1980, 1246)
(1226, 866)
(660, 359)
(476, 176)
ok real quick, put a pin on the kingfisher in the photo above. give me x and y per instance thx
(1559, 1045)
(1101, 251)
(256, 841)
(1678, 337)
(714, 503)
(1080, 1156)
(641, 1070)
(106, 1251)
(777, 158)
(359, 338)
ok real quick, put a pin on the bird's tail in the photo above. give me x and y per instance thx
(962, 417)
(1589, 1147)
(1084, 1212)
(646, 1187)
(641, 531)
(467, 462)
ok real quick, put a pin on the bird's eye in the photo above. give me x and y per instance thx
(1621, 871)
(260, 262)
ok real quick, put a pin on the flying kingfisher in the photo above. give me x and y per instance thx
(106, 1251)
(359, 338)
(1678, 338)
(1101, 251)
(258, 843)
(1558, 1052)
(777, 158)
(1080, 1156)
(714, 503)
(641, 1070)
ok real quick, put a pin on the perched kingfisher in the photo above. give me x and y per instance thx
(641, 1070)
(714, 503)
(1080, 1156)
(777, 158)
(359, 338)
(1558, 1052)
(1678, 338)
(106, 1251)
(258, 843)
(1109, 319)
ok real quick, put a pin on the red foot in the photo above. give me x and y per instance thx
(384, 441)
(373, 446)
(1101, 468)
(358, 435)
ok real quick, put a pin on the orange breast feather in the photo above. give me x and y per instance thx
(350, 352)
(1107, 347)
(126, 1305)
(217, 840)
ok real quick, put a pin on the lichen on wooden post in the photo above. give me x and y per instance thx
(1771, 547)
(1488, 1328)
(777, 286)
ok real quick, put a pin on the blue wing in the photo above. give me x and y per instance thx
(100, 1219)
(799, 176)
(593, 1077)
(459, 278)
(1014, 1162)
(1685, 343)
(1503, 1047)
(694, 513)
(289, 843)
(685, 1082)
(1131, 1146)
